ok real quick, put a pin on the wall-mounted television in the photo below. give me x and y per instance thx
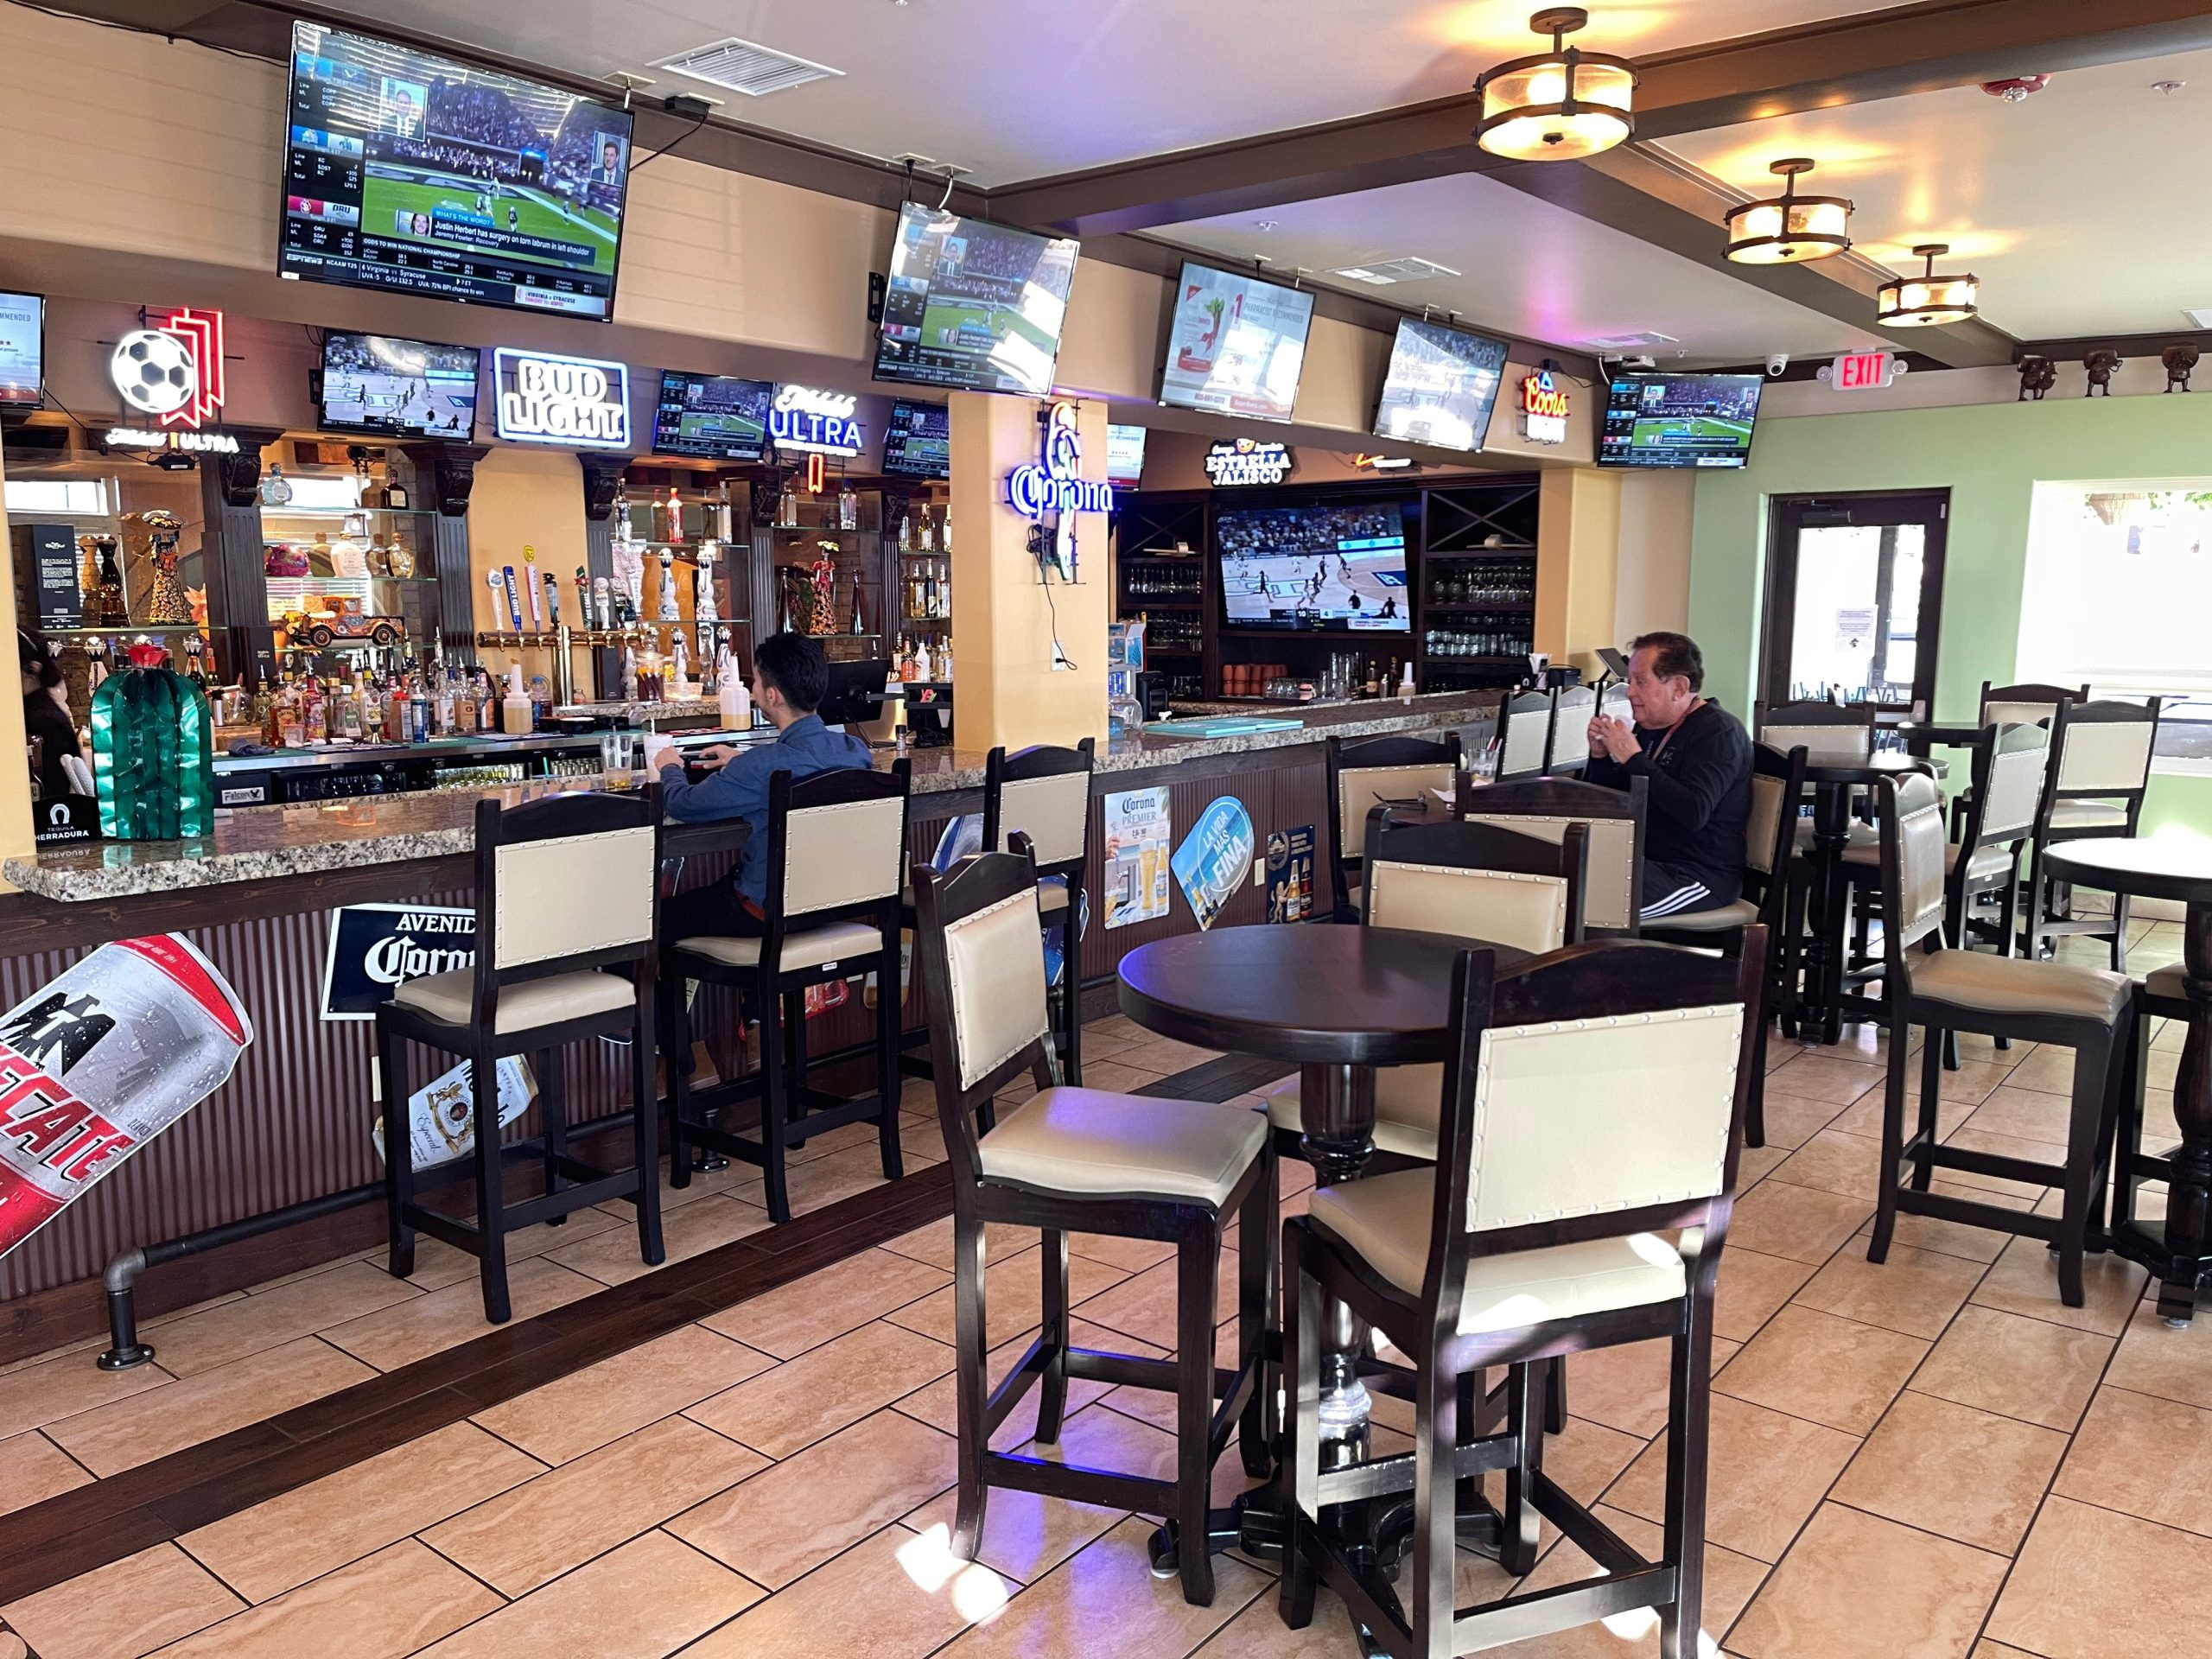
(22, 350)
(1441, 386)
(917, 442)
(1125, 456)
(971, 306)
(1236, 345)
(1679, 420)
(399, 388)
(711, 416)
(1318, 570)
(408, 171)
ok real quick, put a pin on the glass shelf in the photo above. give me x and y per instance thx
(271, 510)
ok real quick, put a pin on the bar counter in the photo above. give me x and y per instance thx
(257, 898)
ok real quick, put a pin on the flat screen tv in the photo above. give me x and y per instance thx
(1679, 420)
(1441, 386)
(399, 388)
(711, 416)
(1125, 456)
(1320, 569)
(973, 307)
(22, 350)
(1236, 345)
(408, 171)
(917, 443)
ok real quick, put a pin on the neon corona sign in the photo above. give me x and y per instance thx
(1054, 485)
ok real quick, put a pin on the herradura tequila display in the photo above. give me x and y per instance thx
(153, 753)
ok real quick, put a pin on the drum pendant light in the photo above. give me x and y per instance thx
(1789, 229)
(1928, 299)
(1560, 105)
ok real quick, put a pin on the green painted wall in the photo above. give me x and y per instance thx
(1990, 456)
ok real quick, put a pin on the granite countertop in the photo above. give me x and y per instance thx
(265, 843)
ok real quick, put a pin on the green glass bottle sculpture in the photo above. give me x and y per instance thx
(153, 752)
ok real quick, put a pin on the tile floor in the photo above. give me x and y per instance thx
(1931, 1459)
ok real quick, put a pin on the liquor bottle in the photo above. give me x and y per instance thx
(945, 662)
(905, 532)
(1372, 685)
(418, 711)
(291, 726)
(849, 506)
(464, 706)
(444, 715)
(922, 664)
(629, 674)
(622, 531)
(114, 612)
(787, 507)
(928, 607)
(345, 715)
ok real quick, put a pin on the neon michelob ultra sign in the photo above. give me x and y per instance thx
(1034, 489)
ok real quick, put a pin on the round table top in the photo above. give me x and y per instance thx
(2164, 868)
(1343, 996)
(1932, 731)
(1883, 764)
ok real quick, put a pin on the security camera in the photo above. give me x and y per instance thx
(1777, 362)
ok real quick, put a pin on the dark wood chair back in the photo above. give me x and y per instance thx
(1477, 881)
(1830, 733)
(2025, 704)
(1612, 820)
(1045, 792)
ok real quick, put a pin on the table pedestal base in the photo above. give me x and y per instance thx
(2178, 1250)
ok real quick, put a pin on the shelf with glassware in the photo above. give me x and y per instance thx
(828, 567)
(679, 609)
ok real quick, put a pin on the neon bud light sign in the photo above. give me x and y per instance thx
(1034, 490)
(813, 422)
(571, 400)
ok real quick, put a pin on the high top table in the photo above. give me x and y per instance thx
(2175, 1250)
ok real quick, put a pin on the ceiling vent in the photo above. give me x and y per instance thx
(1618, 344)
(2200, 316)
(1381, 273)
(744, 67)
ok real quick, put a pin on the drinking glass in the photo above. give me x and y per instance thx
(618, 758)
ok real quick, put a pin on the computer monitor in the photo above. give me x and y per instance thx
(855, 693)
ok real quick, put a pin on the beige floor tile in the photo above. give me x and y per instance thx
(1797, 1222)
(650, 1597)
(1258, 1633)
(81, 1345)
(1025, 1536)
(1143, 1306)
(407, 1331)
(1816, 1366)
(1823, 1078)
(1933, 1593)
(1953, 1471)
(825, 1390)
(131, 1432)
(1102, 1438)
(1013, 1297)
(1970, 1244)
(788, 1520)
(269, 1549)
(896, 1595)
(1104, 1603)
(2048, 1070)
(393, 1603)
(438, 1264)
(2024, 1279)
(933, 1244)
(68, 1385)
(2172, 1364)
(1765, 1473)
(2028, 1113)
(1623, 1386)
(2028, 1369)
(1974, 1080)
(1755, 1163)
(34, 1469)
(1730, 1581)
(563, 1419)
(533, 1534)
(1834, 1162)
(2091, 1584)
(792, 1318)
(1791, 1120)
(270, 1319)
(1915, 1292)
(937, 1405)
(612, 1257)
(1130, 1254)
(2144, 1457)
(822, 1181)
(122, 1610)
(1998, 1650)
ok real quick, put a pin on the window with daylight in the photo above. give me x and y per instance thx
(2118, 589)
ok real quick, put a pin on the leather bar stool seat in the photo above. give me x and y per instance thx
(813, 947)
(448, 998)
(1987, 863)
(2088, 815)
(1090, 1141)
(1975, 979)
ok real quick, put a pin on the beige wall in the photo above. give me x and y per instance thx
(1652, 580)
(521, 497)
(1578, 541)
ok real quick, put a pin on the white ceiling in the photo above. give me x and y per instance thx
(2078, 208)
(1019, 89)
(1528, 269)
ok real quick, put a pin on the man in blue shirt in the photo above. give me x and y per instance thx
(790, 678)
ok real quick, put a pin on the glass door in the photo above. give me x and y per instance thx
(1854, 599)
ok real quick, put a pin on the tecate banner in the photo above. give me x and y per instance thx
(101, 1061)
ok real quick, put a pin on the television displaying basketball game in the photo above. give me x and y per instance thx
(1441, 385)
(712, 416)
(1679, 420)
(1326, 569)
(972, 306)
(403, 388)
(407, 171)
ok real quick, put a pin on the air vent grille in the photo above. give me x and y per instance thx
(1614, 345)
(746, 67)
(1384, 272)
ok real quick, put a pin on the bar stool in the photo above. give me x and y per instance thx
(567, 899)
(1591, 1104)
(2098, 775)
(1612, 821)
(2162, 995)
(836, 842)
(1082, 1159)
(1382, 769)
(2083, 1008)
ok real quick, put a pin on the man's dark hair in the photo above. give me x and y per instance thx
(794, 665)
(1677, 654)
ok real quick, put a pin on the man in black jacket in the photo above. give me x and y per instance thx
(1697, 760)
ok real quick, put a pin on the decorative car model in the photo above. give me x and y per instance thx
(341, 621)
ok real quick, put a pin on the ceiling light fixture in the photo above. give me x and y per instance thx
(1926, 301)
(1559, 106)
(1788, 228)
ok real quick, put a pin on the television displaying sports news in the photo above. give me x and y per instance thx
(408, 171)
(1125, 456)
(917, 442)
(1322, 569)
(1236, 345)
(22, 350)
(409, 388)
(1441, 385)
(1679, 420)
(973, 307)
(712, 416)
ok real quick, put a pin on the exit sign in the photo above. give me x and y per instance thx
(1862, 371)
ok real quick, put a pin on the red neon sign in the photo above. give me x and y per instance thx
(201, 332)
(1861, 372)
